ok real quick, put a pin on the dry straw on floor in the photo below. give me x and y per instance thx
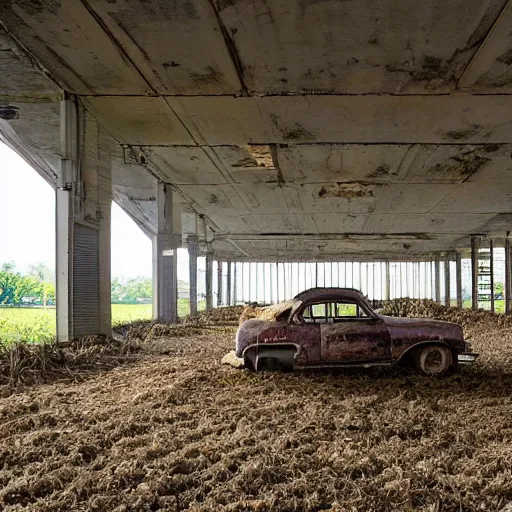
(175, 430)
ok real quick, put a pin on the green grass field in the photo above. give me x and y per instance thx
(37, 324)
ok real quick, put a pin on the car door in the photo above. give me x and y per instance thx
(305, 333)
(347, 338)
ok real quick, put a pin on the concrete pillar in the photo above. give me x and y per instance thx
(508, 279)
(228, 284)
(209, 279)
(257, 264)
(219, 283)
(83, 210)
(277, 283)
(474, 273)
(458, 272)
(165, 254)
(491, 269)
(271, 271)
(192, 258)
(447, 282)
(437, 278)
(235, 284)
(264, 283)
(387, 283)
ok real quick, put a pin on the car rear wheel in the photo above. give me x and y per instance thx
(279, 359)
(269, 364)
(433, 360)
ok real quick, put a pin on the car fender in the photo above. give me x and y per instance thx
(423, 344)
(257, 351)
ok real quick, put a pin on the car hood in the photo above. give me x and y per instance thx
(422, 329)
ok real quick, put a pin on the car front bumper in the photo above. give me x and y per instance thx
(467, 357)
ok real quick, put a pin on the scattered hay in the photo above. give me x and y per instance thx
(176, 430)
(183, 432)
(426, 308)
(25, 363)
(267, 312)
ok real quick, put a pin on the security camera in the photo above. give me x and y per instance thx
(9, 112)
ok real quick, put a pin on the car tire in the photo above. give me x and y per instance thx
(270, 359)
(248, 364)
(434, 360)
(268, 364)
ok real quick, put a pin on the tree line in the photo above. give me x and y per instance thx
(37, 287)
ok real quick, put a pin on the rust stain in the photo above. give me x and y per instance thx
(506, 58)
(462, 134)
(297, 132)
(382, 171)
(212, 75)
(464, 165)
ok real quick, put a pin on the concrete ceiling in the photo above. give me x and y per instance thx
(301, 129)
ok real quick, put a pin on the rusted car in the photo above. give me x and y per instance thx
(336, 327)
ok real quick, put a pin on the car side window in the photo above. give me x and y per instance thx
(332, 312)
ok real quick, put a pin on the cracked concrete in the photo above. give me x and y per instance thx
(267, 118)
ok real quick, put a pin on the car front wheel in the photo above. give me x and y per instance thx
(433, 360)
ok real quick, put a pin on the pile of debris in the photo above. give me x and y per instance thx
(426, 308)
(218, 319)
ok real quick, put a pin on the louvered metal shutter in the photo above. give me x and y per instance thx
(86, 311)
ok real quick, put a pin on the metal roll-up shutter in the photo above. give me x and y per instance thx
(86, 309)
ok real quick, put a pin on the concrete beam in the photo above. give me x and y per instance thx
(165, 256)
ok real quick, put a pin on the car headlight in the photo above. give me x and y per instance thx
(469, 346)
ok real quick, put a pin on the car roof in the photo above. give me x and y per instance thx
(329, 293)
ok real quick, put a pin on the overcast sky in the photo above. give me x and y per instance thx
(27, 224)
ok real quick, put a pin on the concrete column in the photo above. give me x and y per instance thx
(209, 280)
(387, 292)
(228, 284)
(249, 265)
(257, 264)
(219, 283)
(491, 265)
(235, 275)
(271, 271)
(83, 210)
(508, 279)
(277, 283)
(165, 254)
(264, 283)
(458, 272)
(192, 268)
(474, 272)
(437, 279)
(447, 282)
